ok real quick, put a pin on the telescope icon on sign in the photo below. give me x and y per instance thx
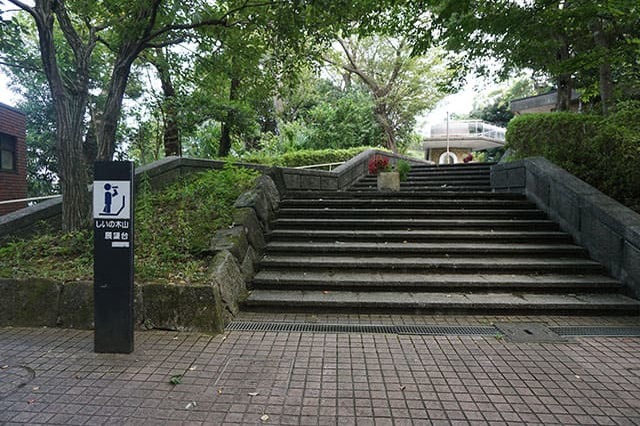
(110, 195)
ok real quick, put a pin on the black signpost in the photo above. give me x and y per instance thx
(113, 256)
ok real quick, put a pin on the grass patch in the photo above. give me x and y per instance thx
(173, 229)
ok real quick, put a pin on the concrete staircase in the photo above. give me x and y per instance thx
(444, 243)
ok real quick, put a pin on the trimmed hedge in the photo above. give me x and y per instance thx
(602, 151)
(306, 157)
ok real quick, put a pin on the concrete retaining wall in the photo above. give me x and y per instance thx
(606, 228)
(234, 253)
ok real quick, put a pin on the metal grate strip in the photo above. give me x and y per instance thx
(424, 330)
(602, 331)
(361, 328)
(443, 330)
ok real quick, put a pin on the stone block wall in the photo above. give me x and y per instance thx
(606, 228)
(235, 253)
(13, 183)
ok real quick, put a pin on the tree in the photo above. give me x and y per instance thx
(126, 29)
(401, 85)
(567, 40)
(496, 109)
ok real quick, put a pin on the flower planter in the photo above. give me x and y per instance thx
(388, 181)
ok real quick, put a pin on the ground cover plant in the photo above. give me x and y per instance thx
(173, 229)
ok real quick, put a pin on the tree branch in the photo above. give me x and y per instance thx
(221, 21)
(31, 11)
(162, 44)
(354, 68)
(66, 26)
(22, 67)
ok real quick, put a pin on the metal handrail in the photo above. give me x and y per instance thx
(25, 200)
(312, 166)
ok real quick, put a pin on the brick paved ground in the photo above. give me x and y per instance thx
(52, 376)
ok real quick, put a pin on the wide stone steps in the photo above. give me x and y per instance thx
(414, 224)
(329, 213)
(445, 243)
(435, 264)
(415, 281)
(413, 178)
(438, 302)
(424, 249)
(470, 236)
(406, 203)
(404, 186)
(405, 195)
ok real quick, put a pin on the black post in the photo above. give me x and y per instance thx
(113, 233)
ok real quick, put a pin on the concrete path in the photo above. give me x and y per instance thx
(52, 376)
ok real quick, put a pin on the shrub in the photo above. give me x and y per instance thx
(305, 157)
(403, 167)
(602, 151)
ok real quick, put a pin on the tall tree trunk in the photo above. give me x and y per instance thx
(564, 80)
(108, 125)
(225, 137)
(71, 166)
(607, 98)
(171, 132)
(70, 99)
(382, 117)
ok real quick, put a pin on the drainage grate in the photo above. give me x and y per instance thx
(436, 330)
(444, 330)
(597, 331)
(424, 330)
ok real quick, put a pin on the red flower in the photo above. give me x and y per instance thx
(378, 164)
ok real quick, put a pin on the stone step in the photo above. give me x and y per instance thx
(478, 189)
(432, 302)
(391, 202)
(447, 167)
(387, 280)
(414, 224)
(437, 264)
(436, 178)
(411, 213)
(422, 249)
(440, 195)
(468, 236)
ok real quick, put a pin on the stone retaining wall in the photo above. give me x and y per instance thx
(606, 228)
(235, 253)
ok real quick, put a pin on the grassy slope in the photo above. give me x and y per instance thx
(173, 228)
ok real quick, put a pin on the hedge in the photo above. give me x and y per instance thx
(306, 157)
(602, 151)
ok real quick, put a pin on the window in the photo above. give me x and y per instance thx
(7, 152)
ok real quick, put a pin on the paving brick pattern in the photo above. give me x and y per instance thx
(303, 378)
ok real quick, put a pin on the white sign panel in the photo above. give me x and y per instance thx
(111, 199)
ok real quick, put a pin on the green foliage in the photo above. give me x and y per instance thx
(305, 157)
(173, 228)
(403, 168)
(57, 256)
(344, 123)
(601, 151)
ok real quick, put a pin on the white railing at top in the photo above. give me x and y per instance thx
(28, 200)
(468, 129)
(316, 166)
